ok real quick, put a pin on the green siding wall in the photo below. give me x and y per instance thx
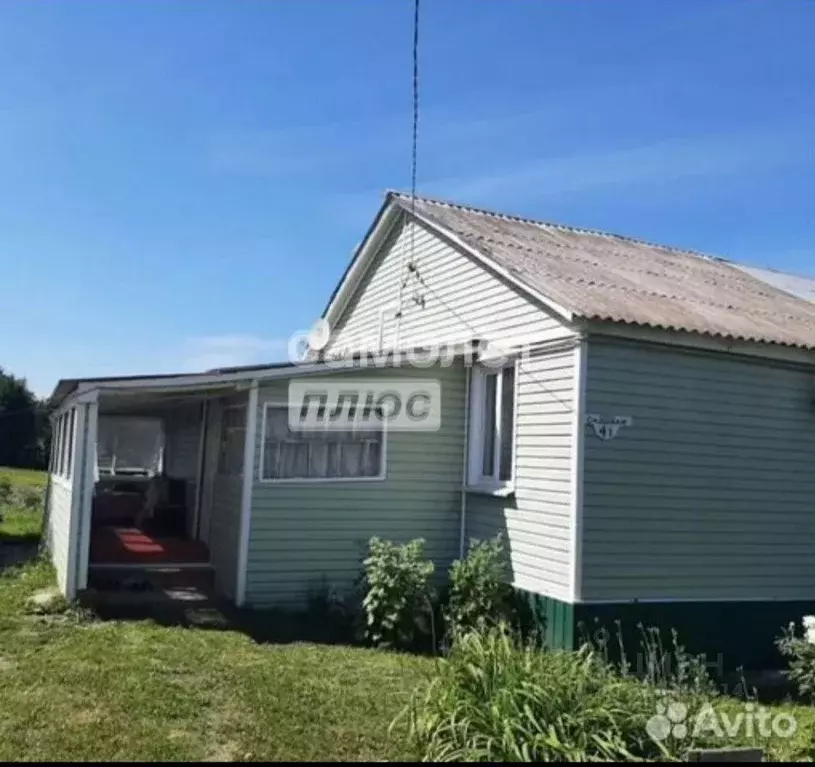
(710, 494)
(304, 535)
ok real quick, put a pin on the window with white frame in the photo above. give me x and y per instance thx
(233, 439)
(352, 453)
(56, 444)
(492, 428)
(62, 444)
(71, 418)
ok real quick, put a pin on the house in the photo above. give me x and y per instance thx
(637, 420)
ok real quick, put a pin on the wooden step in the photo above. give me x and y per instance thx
(145, 579)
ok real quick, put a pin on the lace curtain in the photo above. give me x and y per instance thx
(326, 454)
(129, 445)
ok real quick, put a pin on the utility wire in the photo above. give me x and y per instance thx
(542, 386)
(414, 153)
(414, 158)
(412, 266)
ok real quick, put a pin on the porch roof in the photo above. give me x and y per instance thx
(221, 376)
(67, 386)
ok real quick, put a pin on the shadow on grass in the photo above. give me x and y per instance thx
(190, 611)
(18, 549)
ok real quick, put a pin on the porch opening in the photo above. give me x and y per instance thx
(166, 492)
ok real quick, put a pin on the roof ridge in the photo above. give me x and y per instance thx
(566, 227)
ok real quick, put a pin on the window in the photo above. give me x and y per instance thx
(354, 453)
(492, 428)
(56, 445)
(62, 444)
(233, 439)
(71, 418)
(129, 445)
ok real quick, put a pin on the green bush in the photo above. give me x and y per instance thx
(799, 650)
(496, 699)
(479, 593)
(398, 599)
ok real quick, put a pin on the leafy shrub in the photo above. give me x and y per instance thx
(398, 597)
(496, 699)
(799, 649)
(479, 593)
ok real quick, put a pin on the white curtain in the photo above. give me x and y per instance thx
(129, 445)
(315, 454)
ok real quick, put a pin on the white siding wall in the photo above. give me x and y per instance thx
(63, 514)
(710, 494)
(537, 521)
(462, 300)
(59, 526)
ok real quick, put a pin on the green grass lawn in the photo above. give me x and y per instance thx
(73, 688)
(25, 478)
(21, 519)
(76, 688)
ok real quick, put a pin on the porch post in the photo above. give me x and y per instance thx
(88, 484)
(76, 451)
(249, 450)
(199, 480)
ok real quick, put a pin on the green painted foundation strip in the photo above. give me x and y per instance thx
(731, 635)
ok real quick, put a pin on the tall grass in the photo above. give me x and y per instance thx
(495, 699)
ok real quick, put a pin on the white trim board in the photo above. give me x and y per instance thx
(561, 312)
(77, 482)
(700, 342)
(576, 467)
(87, 493)
(387, 218)
(249, 451)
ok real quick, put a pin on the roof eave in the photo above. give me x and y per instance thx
(393, 205)
(348, 282)
(561, 312)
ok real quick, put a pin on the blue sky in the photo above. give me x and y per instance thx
(182, 183)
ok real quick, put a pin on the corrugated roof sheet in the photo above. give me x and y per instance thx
(798, 285)
(604, 276)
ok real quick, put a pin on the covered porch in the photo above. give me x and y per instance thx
(148, 480)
